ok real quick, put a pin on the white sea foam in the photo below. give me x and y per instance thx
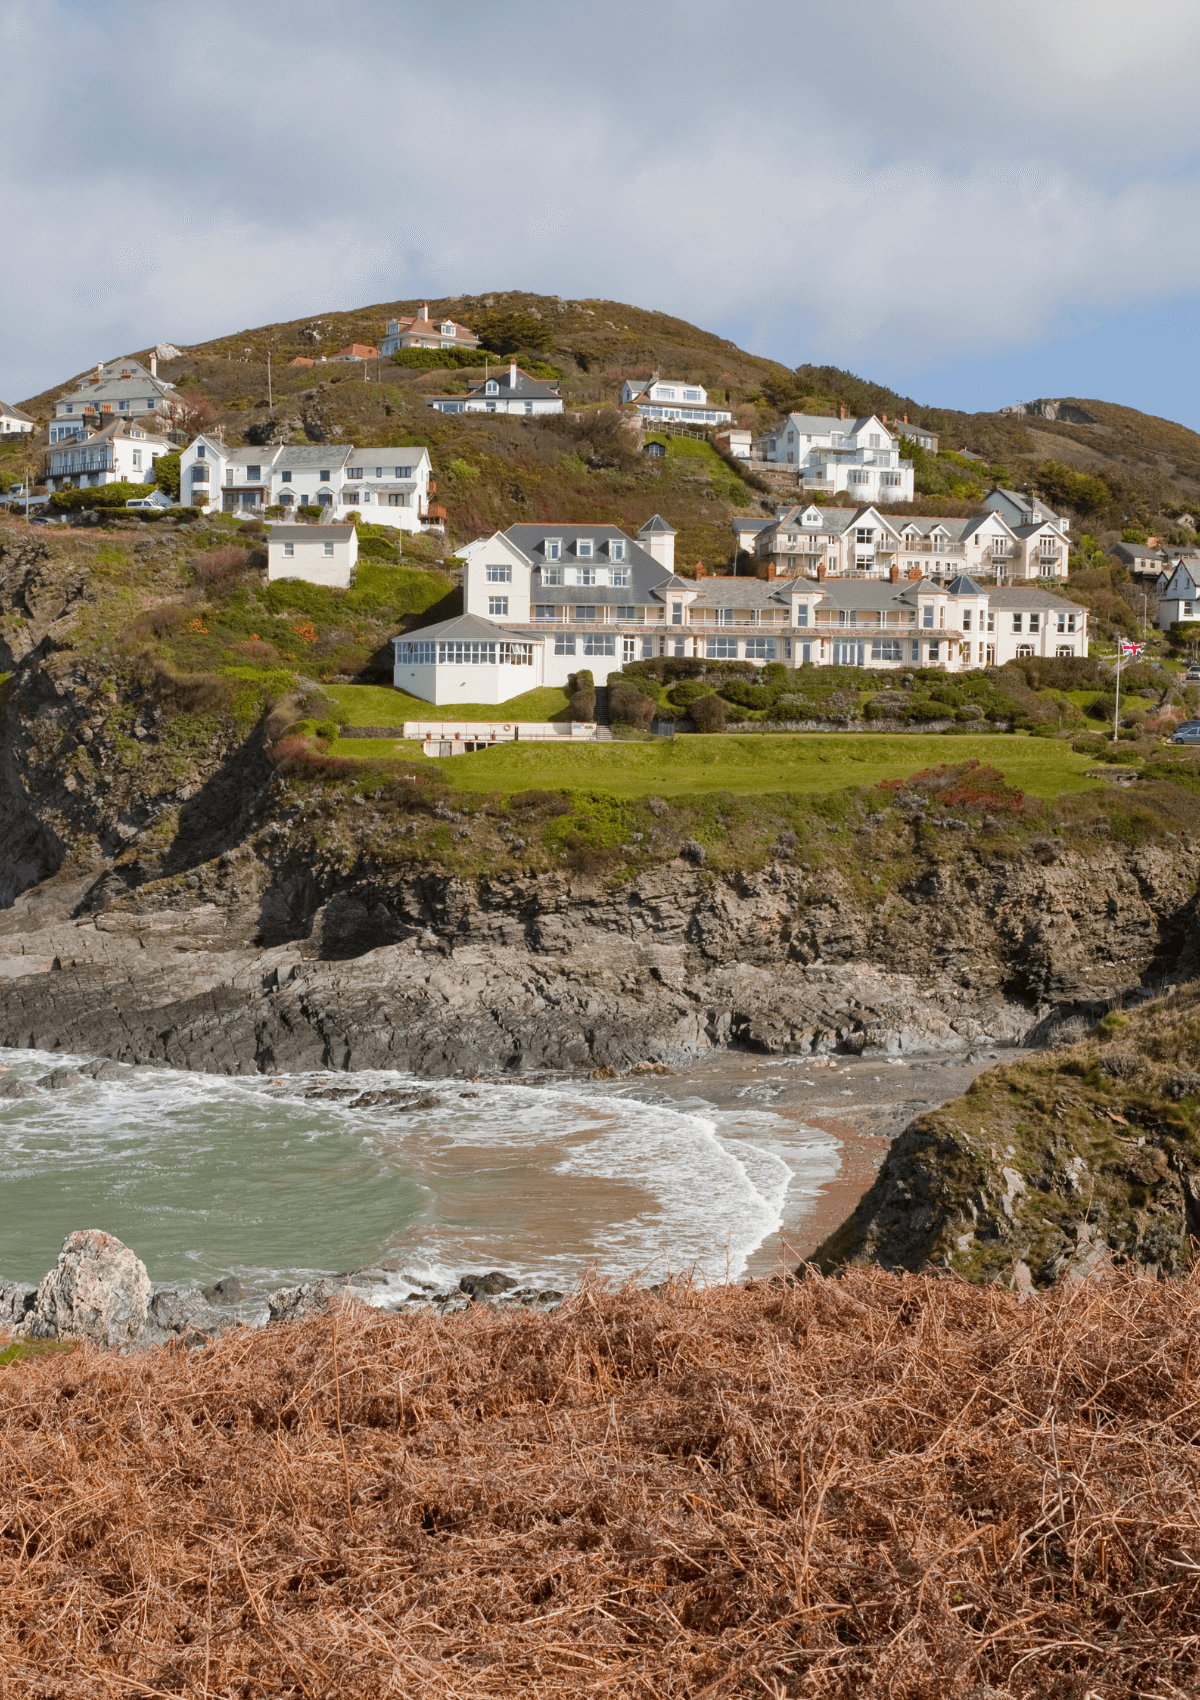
(204, 1174)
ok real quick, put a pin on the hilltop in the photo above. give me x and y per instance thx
(1110, 465)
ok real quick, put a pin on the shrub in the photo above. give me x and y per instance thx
(1069, 489)
(219, 571)
(328, 729)
(581, 695)
(709, 714)
(506, 332)
(98, 496)
(166, 474)
(627, 706)
(748, 696)
(687, 691)
(436, 359)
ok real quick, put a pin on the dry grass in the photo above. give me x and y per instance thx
(863, 1487)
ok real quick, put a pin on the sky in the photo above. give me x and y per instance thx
(974, 204)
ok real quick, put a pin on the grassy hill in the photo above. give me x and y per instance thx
(1125, 467)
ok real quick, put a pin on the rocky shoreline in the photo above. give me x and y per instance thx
(99, 1290)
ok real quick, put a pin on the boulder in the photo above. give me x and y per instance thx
(485, 1286)
(16, 1299)
(60, 1079)
(227, 1291)
(15, 1088)
(98, 1290)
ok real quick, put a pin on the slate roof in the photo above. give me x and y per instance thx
(321, 457)
(1016, 597)
(7, 412)
(525, 388)
(656, 523)
(465, 628)
(310, 533)
(821, 425)
(964, 585)
(739, 593)
(1025, 504)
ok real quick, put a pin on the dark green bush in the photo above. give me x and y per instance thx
(627, 706)
(709, 714)
(686, 692)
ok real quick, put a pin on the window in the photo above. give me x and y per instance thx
(516, 655)
(628, 649)
(137, 459)
(691, 395)
(619, 577)
(585, 575)
(199, 447)
(583, 548)
(469, 654)
(875, 440)
(966, 620)
(935, 650)
(860, 478)
(253, 474)
(285, 498)
(497, 575)
(760, 649)
(124, 406)
(616, 549)
(890, 480)
(379, 472)
(802, 613)
(679, 647)
(418, 654)
(324, 478)
(396, 501)
(864, 534)
(328, 549)
(626, 611)
(1018, 622)
(916, 650)
(564, 644)
(887, 649)
(1024, 649)
(677, 613)
(599, 643)
(350, 496)
(585, 613)
(927, 614)
(1065, 649)
(403, 472)
(864, 563)
(553, 548)
(648, 648)
(285, 478)
(71, 409)
(1035, 621)
(354, 472)
(289, 550)
(991, 620)
(199, 475)
(551, 575)
(493, 388)
(723, 616)
(720, 648)
(544, 611)
(498, 606)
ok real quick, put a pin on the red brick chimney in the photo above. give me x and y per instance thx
(820, 569)
(894, 574)
(915, 574)
(699, 570)
(841, 412)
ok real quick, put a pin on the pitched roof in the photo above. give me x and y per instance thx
(289, 533)
(739, 592)
(466, 628)
(964, 585)
(322, 457)
(1019, 597)
(656, 523)
(822, 424)
(529, 389)
(7, 412)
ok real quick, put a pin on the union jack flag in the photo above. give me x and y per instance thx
(1128, 647)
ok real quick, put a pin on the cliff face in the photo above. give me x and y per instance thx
(1052, 1167)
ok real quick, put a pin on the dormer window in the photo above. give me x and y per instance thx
(448, 328)
(616, 549)
(493, 388)
(583, 548)
(553, 550)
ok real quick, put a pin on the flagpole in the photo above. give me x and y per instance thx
(1117, 709)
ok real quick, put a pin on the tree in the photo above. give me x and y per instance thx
(1076, 490)
(505, 333)
(166, 475)
(190, 414)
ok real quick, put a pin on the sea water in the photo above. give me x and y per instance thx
(204, 1175)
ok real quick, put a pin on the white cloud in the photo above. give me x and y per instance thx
(954, 182)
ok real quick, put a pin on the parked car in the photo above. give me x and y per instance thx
(157, 501)
(1192, 675)
(1187, 733)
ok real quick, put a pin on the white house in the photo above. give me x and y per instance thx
(1019, 509)
(120, 388)
(858, 455)
(673, 399)
(735, 443)
(543, 601)
(807, 540)
(388, 486)
(12, 420)
(420, 331)
(1180, 599)
(318, 554)
(121, 453)
(513, 391)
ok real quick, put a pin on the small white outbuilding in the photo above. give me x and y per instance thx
(318, 554)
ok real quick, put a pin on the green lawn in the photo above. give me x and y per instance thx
(798, 762)
(382, 705)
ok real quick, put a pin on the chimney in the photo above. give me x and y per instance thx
(883, 418)
(894, 574)
(425, 310)
(512, 374)
(820, 569)
(841, 412)
(154, 365)
(906, 418)
(699, 570)
(99, 370)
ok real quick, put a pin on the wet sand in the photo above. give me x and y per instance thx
(831, 1123)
